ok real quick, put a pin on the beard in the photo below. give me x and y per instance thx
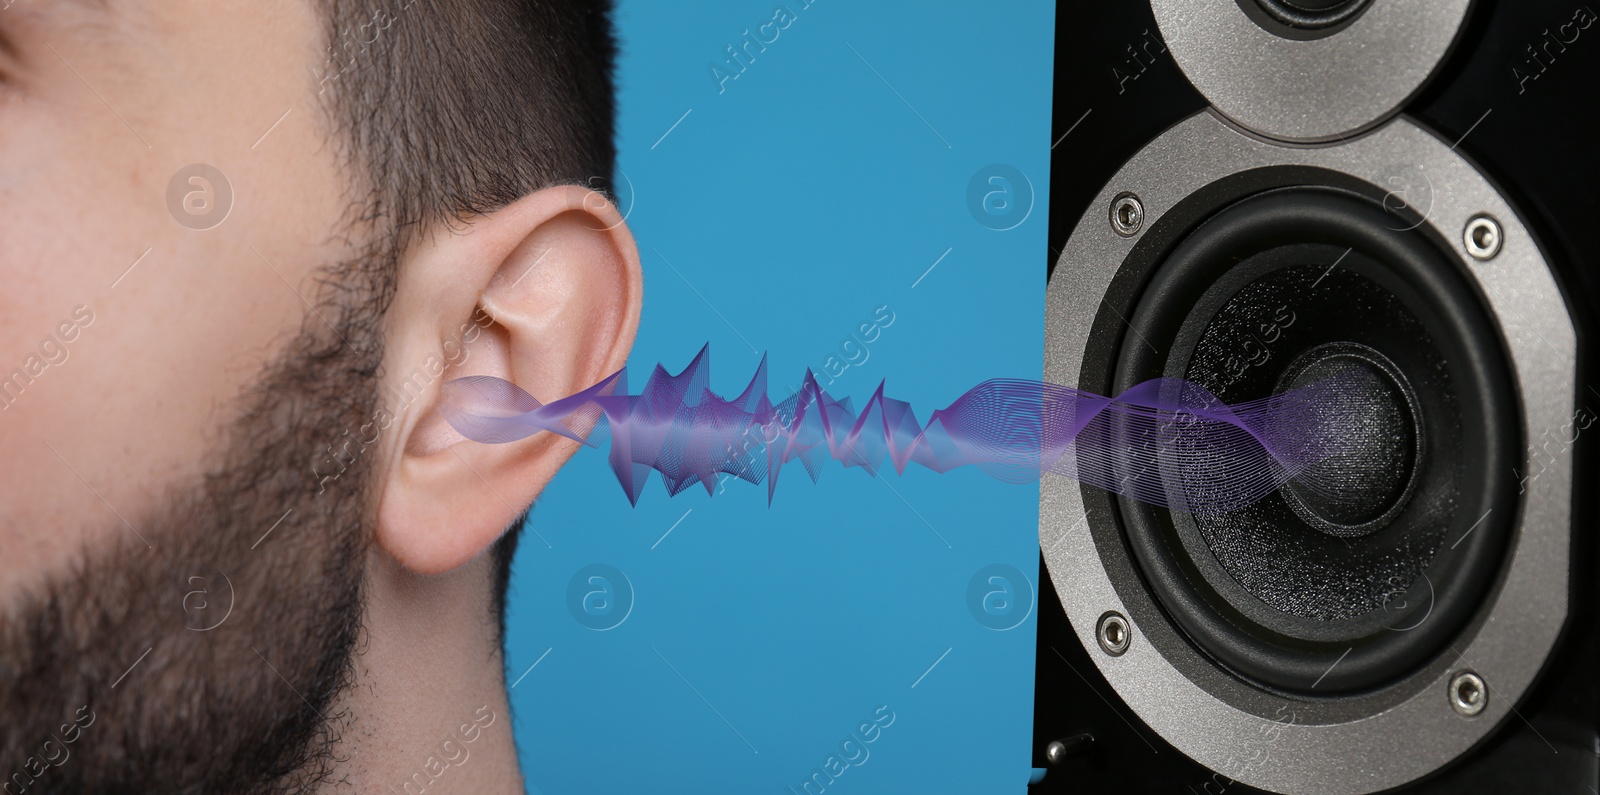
(213, 659)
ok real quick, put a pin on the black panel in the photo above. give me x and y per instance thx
(1531, 121)
(1111, 65)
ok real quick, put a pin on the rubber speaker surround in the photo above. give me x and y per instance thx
(1278, 601)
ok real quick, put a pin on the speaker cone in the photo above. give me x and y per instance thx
(1363, 566)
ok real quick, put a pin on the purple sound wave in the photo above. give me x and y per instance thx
(1167, 442)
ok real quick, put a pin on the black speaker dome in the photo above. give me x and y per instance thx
(1367, 480)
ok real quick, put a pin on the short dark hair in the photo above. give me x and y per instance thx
(444, 109)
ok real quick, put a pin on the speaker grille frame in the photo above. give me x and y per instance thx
(1355, 744)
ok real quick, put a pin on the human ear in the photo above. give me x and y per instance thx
(545, 293)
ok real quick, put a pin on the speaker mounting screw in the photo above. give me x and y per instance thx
(1482, 237)
(1468, 693)
(1127, 214)
(1114, 633)
(1058, 752)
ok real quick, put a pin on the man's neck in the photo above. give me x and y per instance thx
(428, 701)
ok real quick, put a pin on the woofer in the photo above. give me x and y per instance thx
(1236, 634)
(1466, 118)
(1364, 565)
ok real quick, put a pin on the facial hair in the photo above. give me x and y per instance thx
(213, 659)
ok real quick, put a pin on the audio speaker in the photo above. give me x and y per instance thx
(1256, 194)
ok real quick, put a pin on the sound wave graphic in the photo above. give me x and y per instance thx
(1166, 442)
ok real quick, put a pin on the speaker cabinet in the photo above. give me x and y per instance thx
(1251, 195)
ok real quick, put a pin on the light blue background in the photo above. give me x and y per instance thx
(819, 185)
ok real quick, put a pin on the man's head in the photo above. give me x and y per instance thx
(220, 400)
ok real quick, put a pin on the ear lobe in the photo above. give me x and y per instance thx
(544, 293)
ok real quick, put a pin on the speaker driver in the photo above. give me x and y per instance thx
(1365, 565)
(1299, 632)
